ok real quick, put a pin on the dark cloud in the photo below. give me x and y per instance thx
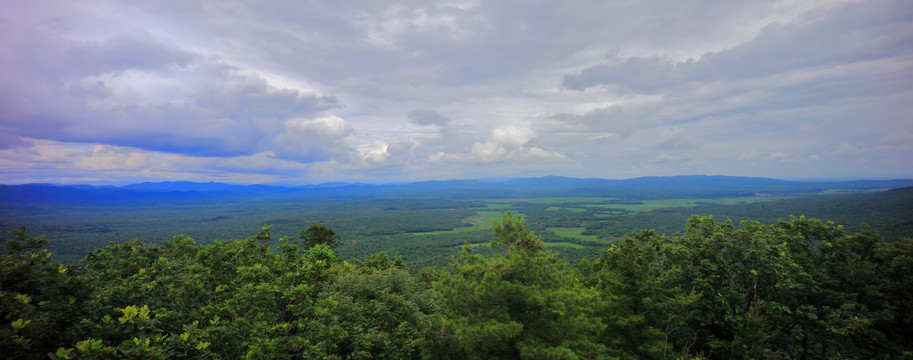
(613, 119)
(428, 117)
(675, 139)
(142, 93)
(848, 34)
(8, 141)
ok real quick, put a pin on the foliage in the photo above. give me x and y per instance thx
(39, 300)
(797, 288)
(641, 302)
(511, 231)
(379, 309)
(793, 289)
(317, 234)
(519, 307)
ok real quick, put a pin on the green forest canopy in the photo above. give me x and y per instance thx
(791, 289)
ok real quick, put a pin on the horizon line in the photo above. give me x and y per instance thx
(120, 184)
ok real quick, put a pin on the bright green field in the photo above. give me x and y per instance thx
(479, 222)
(573, 209)
(576, 233)
(648, 205)
(563, 244)
(500, 206)
(848, 191)
(550, 200)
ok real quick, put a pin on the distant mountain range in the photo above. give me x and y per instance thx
(177, 193)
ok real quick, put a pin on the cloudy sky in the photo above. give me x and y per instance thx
(377, 91)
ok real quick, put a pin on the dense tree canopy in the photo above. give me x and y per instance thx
(317, 234)
(796, 289)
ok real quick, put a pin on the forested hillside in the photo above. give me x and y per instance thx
(427, 222)
(792, 289)
(889, 212)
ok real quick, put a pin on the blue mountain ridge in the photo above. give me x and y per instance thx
(182, 192)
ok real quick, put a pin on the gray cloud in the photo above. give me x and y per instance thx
(608, 120)
(675, 139)
(676, 158)
(428, 117)
(142, 93)
(637, 74)
(849, 34)
(280, 90)
(312, 140)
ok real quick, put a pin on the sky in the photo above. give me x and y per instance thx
(299, 92)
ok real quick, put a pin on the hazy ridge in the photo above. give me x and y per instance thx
(691, 186)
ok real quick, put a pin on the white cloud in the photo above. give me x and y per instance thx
(318, 139)
(387, 27)
(846, 149)
(332, 126)
(677, 158)
(779, 155)
(506, 143)
(441, 156)
(78, 163)
(537, 153)
(375, 152)
(512, 136)
(488, 152)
